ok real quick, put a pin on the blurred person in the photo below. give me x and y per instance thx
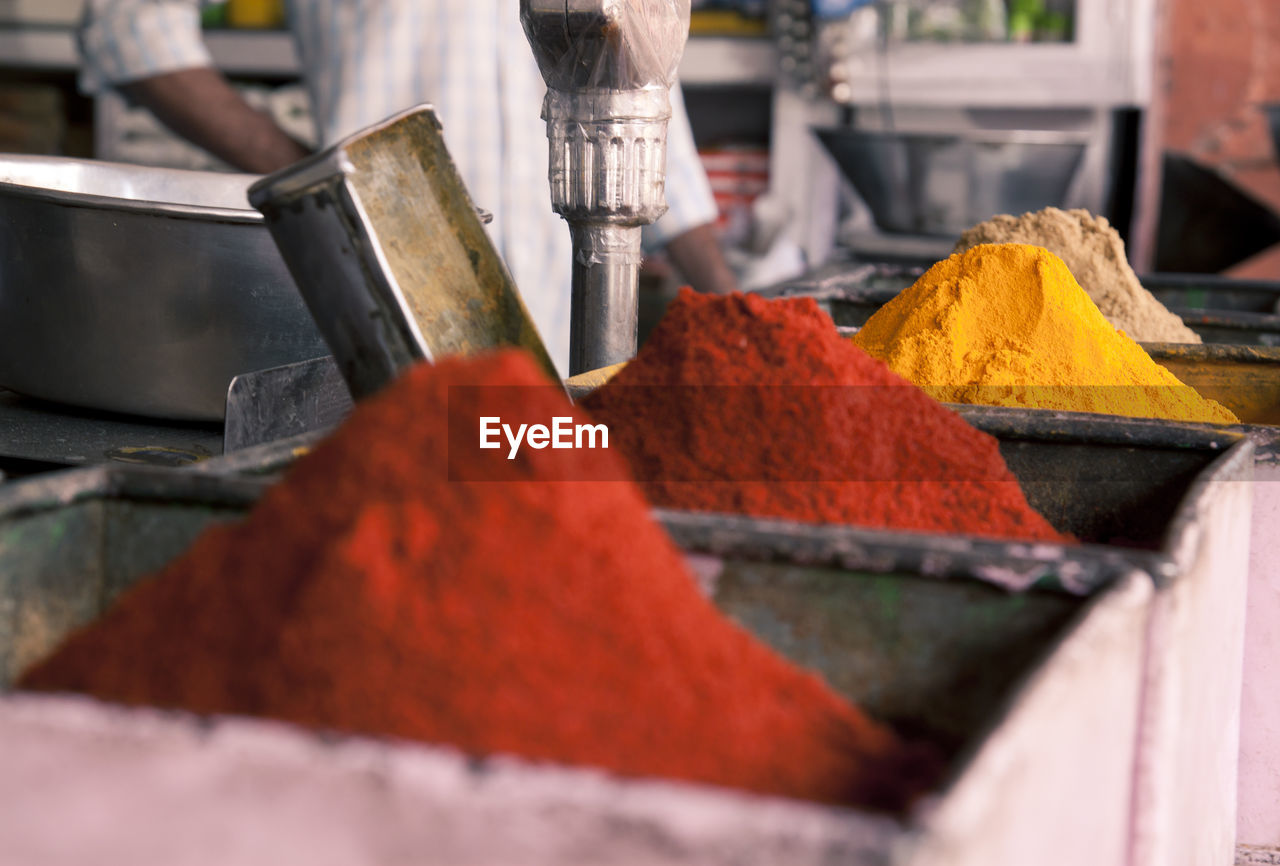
(364, 60)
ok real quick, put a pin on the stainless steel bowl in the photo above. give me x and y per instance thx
(139, 290)
(942, 184)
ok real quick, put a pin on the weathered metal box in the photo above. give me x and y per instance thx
(1042, 698)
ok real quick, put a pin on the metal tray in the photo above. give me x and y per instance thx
(851, 293)
(940, 184)
(1245, 379)
(139, 290)
(1222, 309)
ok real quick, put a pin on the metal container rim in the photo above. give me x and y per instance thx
(325, 169)
(860, 548)
(14, 165)
(1172, 280)
(115, 483)
(94, 201)
(1182, 537)
(1245, 352)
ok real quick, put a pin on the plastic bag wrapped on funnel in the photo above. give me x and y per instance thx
(607, 44)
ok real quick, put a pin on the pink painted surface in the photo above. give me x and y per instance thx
(1259, 783)
(89, 783)
(1185, 806)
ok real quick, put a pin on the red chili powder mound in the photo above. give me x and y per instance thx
(738, 404)
(551, 619)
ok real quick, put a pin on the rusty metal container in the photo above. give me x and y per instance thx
(1245, 379)
(1040, 697)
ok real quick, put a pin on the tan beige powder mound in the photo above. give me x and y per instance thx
(1094, 251)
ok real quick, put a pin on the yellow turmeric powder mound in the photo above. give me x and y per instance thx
(1008, 325)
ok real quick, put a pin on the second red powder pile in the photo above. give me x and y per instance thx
(748, 406)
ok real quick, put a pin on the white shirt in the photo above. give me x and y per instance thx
(364, 60)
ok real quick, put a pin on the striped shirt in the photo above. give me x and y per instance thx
(364, 60)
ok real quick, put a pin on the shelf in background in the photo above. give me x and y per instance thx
(729, 60)
(40, 13)
(707, 60)
(237, 52)
(51, 48)
(999, 75)
(249, 52)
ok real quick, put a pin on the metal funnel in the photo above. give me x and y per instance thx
(939, 184)
(609, 66)
(1272, 110)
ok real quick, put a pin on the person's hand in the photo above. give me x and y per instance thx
(698, 257)
(202, 107)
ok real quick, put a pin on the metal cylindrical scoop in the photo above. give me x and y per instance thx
(390, 254)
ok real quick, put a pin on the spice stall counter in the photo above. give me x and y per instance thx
(1064, 716)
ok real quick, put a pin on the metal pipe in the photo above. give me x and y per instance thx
(606, 271)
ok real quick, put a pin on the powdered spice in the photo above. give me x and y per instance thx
(551, 619)
(1007, 325)
(744, 405)
(1094, 252)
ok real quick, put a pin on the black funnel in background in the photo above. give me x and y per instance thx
(1272, 111)
(1207, 223)
(939, 184)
